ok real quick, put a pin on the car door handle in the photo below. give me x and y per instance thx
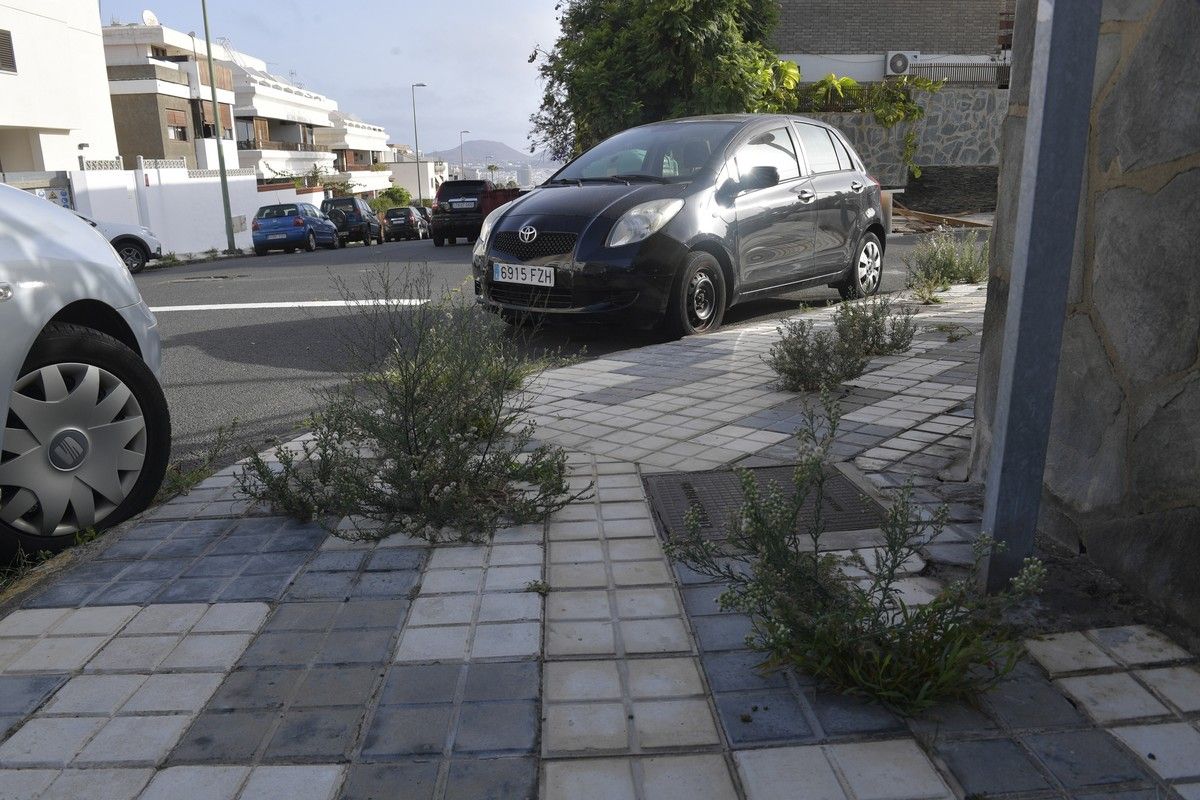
(856, 186)
(806, 195)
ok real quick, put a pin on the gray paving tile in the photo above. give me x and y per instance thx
(63, 595)
(372, 646)
(492, 779)
(1027, 700)
(406, 731)
(1085, 759)
(739, 669)
(215, 566)
(156, 569)
(322, 586)
(762, 716)
(282, 649)
(223, 738)
(192, 590)
(420, 683)
(125, 592)
(177, 546)
(721, 631)
(134, 741)
(951, 718)
(991, 766)
(274, 563)
(97, 784)
(338, 561)
(337, 686)
(386, 584)
(22, 694)
(359, 614)
(397, 558)
(318, 734)
(497, 727)
(518, 680)
(841, 715)
(256, 689)
(94, 571)
(315, 616)
(380, 781)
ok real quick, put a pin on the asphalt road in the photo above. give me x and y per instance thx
(224, 362)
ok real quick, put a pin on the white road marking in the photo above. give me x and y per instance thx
(293, 304)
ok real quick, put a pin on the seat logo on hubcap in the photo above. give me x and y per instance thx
(68, 450)
(527, 234)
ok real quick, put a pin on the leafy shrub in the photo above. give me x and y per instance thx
(833, 93)
(428, 436)
(943, 259)
(811, 360)
(859, 636)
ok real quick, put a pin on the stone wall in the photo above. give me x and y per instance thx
(877, 26)
(961, 128)
(1122, 478)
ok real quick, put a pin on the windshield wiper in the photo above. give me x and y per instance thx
(604, 179)
(563, 182)
(639, 176)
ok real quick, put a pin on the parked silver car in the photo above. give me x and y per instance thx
(87, 432)
(135, 244)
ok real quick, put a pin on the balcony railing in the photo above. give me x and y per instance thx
(965, 74)
(294, 147)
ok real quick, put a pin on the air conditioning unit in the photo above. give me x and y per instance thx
(899, 62)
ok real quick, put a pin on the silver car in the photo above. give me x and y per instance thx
(87, 432)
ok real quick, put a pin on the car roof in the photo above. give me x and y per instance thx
(744, 119)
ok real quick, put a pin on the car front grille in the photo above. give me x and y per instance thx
(549, 243)
(515, 294)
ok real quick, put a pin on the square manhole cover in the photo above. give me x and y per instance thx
(719, 494)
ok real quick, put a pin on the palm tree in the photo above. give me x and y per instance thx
(492, 169)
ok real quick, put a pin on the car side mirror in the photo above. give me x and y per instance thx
(760, 178)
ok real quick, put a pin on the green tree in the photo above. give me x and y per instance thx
(620, 63)
(832, 93)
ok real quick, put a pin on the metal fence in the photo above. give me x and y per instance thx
(267, 144)
(963, 74)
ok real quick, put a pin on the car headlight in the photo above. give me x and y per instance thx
(642, 220)
(488, 222)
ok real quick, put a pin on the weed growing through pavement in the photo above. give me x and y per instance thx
(858, 635)
(21, 563)
(808, 359)
(180, 479)
(430, 436)
(943, 259)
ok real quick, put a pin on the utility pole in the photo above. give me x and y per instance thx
(417, 145)
(212, 84)
(462, 165)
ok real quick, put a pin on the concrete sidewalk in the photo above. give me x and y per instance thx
(214, 651)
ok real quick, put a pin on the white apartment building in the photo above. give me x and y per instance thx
(361, 153)
(54, 104)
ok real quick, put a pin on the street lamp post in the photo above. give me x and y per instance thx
(216, 109)
(417, 145)
(462, 165)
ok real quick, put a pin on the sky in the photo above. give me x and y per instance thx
(473, 54)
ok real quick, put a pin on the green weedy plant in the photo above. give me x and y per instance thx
(807, 359)
(832, 93)
(943, 259)
(856, 635)
(429, 436)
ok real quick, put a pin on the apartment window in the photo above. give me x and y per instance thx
(177, 125)
(8, 58)
(159, 53)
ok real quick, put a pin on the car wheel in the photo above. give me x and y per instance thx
(88, 438)
(310, 242)
(366, 238)
(437, 241)
(289, 250)
(451, 239)
(698, 299)
(134, 255)
(260, 251)
(866, 271)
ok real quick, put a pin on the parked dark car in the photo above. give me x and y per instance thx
(425, 212)
(459, 208)
(287, 226)
(355, 220)
(676, 221)
(404, 223)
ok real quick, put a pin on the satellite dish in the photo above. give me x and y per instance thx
(149, 18)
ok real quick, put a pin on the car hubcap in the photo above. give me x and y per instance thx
(131, 256)
(702, 300)
(73, 449)
(870, 267)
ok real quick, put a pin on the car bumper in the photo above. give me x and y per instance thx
(291, 238)
(457, 224)
(629, 284)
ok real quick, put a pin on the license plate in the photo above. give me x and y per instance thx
(520, 273)
(467, 204)
(276, 235)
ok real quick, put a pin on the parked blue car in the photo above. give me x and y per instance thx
(288, 226)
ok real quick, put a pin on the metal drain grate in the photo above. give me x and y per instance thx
(718, 495)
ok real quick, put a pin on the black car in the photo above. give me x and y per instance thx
(355, 220)
(676, 221)
(404, 223)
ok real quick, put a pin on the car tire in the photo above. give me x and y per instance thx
(366, 238)
(76, 356)
(437, 241)
(134, 255)
(865, 273)
(260, 251)
(697, 303)
(310, 242)
(289, 250)
(450, 240)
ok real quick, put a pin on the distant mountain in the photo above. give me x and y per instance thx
(482, 151)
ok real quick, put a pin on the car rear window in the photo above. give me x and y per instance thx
(271, 212)
(461, 189)
(396, 213)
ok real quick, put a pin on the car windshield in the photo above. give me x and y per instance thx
(339, 202)
(271, 212)
(671, 152)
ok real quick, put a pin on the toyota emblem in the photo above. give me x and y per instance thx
(527, 234)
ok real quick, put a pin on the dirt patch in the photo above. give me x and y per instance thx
(952, 190)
